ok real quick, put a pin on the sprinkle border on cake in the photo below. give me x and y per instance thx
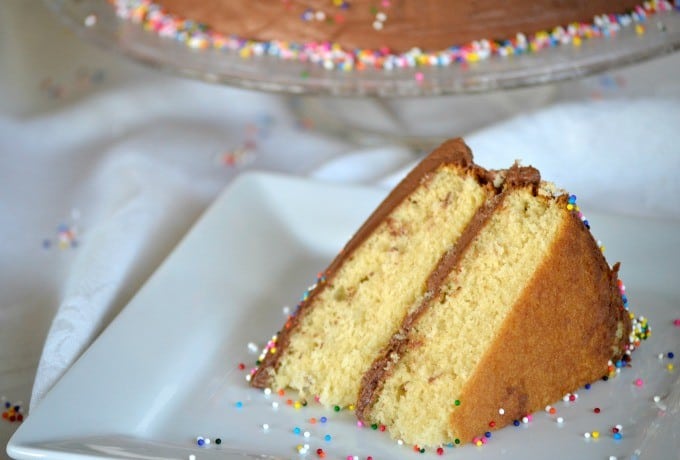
(332, 56)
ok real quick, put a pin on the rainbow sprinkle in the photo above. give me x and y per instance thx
(572, 206)
(270, 347)
(12, 412)
(66, 237)
(331, 55)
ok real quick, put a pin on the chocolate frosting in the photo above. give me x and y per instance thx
(430, 25)
(520, 176)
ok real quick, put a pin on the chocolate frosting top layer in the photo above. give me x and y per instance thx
(430, 25)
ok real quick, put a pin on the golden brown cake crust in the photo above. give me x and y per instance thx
(559, 336)
(562, 333)
(430, 25)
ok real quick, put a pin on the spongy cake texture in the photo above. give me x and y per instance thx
(473, 303)
(365, 299)
(466, 292)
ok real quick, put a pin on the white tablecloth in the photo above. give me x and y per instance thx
(105, 164)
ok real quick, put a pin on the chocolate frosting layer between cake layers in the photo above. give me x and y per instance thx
(374, 378)
(514, 177)
(597, 322)
(454, 152)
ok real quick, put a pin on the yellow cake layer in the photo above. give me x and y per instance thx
(364, 302)
(452, 335)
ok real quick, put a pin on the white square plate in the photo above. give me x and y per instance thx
(167, 369)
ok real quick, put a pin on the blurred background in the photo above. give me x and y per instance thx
(105, 164)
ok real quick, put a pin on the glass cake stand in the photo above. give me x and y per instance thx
(373, 93)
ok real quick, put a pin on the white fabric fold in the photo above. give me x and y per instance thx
(618, 156)
(144, 210)
(365, 166)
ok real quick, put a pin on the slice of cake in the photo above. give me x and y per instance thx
(469, 299)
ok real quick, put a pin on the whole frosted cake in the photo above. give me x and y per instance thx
(393, 24)
(468, 299)
(386, 34)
